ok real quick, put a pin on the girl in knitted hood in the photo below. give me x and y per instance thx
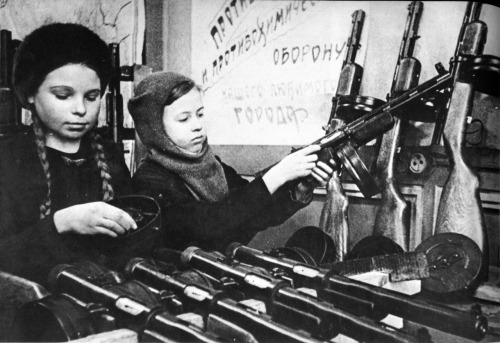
(56, 174)
(204, 201)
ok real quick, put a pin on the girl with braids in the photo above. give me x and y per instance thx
(56, 174)
(204, 201)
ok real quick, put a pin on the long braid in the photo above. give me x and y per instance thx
(102, 165)
(42, 155)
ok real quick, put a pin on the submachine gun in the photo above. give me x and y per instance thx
(288, 305)
(347, 105)
(213, 303)
(88, 300)
(392, 220)
(360, 298)
(460, 208)
(343, 141)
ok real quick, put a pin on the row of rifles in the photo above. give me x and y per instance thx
(245, 295)
(446, 100)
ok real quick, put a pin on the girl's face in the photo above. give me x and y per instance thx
(68, 103)
(184, 122)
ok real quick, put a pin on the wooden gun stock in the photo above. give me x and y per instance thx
(460, 208)
(211, 302)
(288, 305)
(369, 300)
(132, 303)
(393, 216)
(334, 215)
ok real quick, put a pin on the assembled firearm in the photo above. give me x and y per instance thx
(361, 298)
(214, 303)
(10, 111)
(392, 219)
(341, 144)
(460, 208)
(130, 302)
(344, 141)
(288, 305)
(334, 216)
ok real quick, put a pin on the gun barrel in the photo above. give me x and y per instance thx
(358, 19)
(215, 302)
(114, 99)
(410, 34)
(70, 279)
(307, 312)
(359, 127)
(465, 324)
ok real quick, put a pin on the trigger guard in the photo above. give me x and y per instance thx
(358, 171)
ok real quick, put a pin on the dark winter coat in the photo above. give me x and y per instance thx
(248, 209)
(30, 247)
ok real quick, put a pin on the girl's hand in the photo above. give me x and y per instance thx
(294, 166)
(322, 173)
(95, 218)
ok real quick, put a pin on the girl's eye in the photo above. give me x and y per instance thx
(182, 117)
(93, 96)
(201, 114)
(62, 96)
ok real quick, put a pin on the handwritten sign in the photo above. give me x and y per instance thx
(269, 68)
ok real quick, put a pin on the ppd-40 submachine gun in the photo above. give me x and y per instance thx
(288, 305)
(364, 299)
(215, 305)
(87, 299)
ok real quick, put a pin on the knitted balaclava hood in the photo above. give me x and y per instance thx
(201, 172)
(53, 46)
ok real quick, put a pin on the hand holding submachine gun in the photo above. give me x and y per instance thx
(341, 144)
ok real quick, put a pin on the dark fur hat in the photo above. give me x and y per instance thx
(53, 46)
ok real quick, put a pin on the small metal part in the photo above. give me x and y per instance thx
(418, 163)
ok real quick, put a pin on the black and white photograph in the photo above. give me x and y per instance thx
(254, 171)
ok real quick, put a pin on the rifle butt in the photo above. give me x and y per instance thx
(460, 208)
(334, 216)
(392, 218)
